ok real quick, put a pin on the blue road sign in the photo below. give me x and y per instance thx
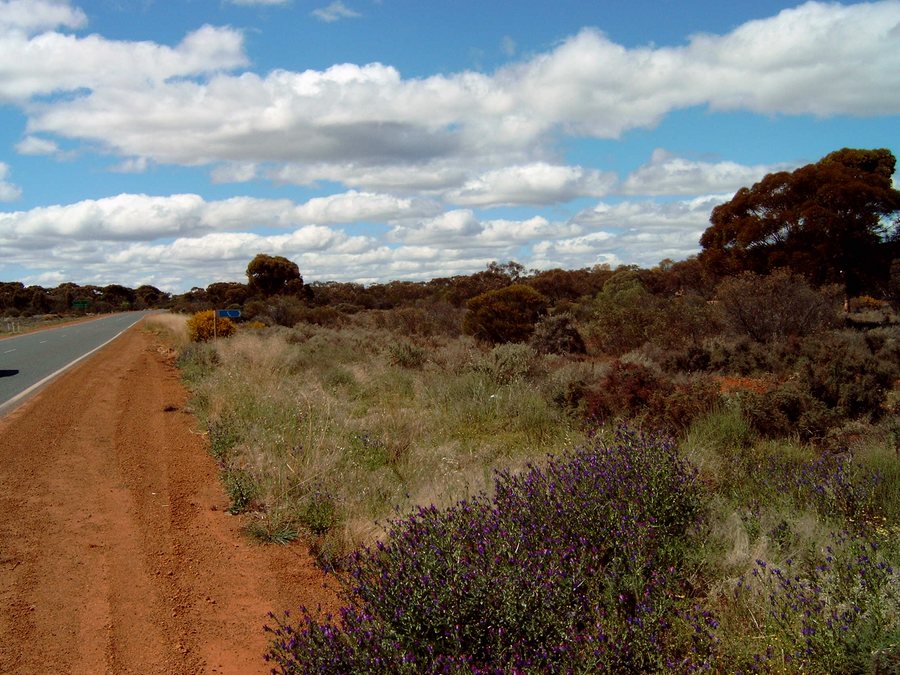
(228, 313)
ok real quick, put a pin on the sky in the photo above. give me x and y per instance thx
(167, 142)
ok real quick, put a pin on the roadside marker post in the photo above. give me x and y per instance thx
(225, 314)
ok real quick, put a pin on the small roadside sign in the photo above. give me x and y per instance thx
(228, 313)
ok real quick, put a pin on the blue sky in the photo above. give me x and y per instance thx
(167, 143)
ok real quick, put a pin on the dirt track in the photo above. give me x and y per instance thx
(116, 552)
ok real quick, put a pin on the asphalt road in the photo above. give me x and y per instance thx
(29, 361)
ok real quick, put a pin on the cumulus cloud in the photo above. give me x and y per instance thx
(137, 217)
(361, 120)
(8, 191)
(53, 62)
(462, 227)
(234, 172)
(133, 165)
(404, 149)
(34, 145)
(667, 174)
(649, 214)
(33, 16)
(335, 12)
(536, 183)
(634, 232)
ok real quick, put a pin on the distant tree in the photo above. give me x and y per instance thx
(149, 296)
(226, 293)
(829, 221)
(272, 275)
(504, 315)
(624, 313)
(460, 289)
(118, 296)
(558, 284)
(40, 302)
(338, 293)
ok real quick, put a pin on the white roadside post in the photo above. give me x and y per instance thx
(224, 313)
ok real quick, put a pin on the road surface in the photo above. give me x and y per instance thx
(117, 554)
(31, 360)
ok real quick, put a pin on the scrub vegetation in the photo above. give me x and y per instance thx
(690, 467)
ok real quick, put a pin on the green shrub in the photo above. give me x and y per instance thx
(557, 334)
(787, 410)
(508, 363)
(242, 489)
(571, 567)
(624, 314)
(204, 326)
(842, 372)
(197, 360)
(505, 315)
(773, 307)
(690, 359)
(319, 513)
(406, 355)
(838, 616)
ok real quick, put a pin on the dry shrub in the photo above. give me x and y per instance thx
(557, 334)
(204, 326)
(777, 306)
(638, 392)
(174, 325)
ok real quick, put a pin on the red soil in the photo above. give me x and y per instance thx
(117, 553)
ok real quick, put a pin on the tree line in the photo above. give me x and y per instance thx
(834, 222)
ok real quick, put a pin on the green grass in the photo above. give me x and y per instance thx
(327, 434)
(325, 416)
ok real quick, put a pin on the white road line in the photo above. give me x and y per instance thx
(43, 342)
(9, 351)
(8, 405)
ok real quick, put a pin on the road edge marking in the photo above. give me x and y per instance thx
(11, 404)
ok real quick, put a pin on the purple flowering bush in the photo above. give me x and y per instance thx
(841, 615)
(568, 567)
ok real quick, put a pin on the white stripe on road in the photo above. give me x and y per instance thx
(10, 404)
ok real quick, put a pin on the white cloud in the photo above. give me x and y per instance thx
(32, 16)
(667, 174)
(462, 228)
(641, 232)
(133, 165)
(234, 172)
(536, 183)
(361, 206)
(137, 217)
(8, 191)
(52, 62)
(359, 121)
(508, 46)
(649, 214)
(34, 145)
(426, 176)
(335, 12)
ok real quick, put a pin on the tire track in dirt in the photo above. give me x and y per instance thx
(116, 553)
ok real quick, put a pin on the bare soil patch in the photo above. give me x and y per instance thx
(117, 553)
